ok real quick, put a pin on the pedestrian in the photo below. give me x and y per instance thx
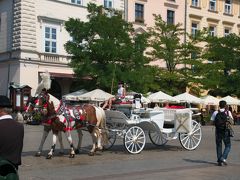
(11, 134)
(220, 119)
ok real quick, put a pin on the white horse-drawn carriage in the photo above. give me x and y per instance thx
(161, 124)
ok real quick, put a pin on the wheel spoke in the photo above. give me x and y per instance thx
(194, 141)
(186, 140)
(136, 132)
(134, 140)
(196, 130)
(191, 140)
(130, 144)
(140, 134)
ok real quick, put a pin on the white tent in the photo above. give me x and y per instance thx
(95, 95)
(74, 96)
(210, 100)
(186, 97)
(161, 97)
(231, 101)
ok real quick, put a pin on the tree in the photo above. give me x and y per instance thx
(106, 50)
(166, 45)
(224, 55)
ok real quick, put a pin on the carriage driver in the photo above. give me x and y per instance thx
(121, 93)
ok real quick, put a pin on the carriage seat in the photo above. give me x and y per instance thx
(125, 107)
(169, 117)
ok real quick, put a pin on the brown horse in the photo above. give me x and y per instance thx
(87, 116)
(66, 118)
(37, 110)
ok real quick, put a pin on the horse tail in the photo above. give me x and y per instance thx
(102, 124)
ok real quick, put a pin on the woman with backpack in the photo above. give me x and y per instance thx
(222, 120)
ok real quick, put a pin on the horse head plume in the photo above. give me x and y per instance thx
(45, 83)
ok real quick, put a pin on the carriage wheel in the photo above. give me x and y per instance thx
(158, 139)
(190, 141)
(134, 140)
(111, 137)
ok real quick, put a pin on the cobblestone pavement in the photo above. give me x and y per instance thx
(168, 162)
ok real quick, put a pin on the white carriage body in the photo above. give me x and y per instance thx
(161, 124)
(177, 120)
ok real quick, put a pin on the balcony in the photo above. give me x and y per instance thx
(54, 58)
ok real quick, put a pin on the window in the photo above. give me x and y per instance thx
(226, 32)
(212, 30)
(139, 13)
(194, 29)
(212, 5)
(50, 40)
(228, 7)
(170, 17)
(108, 4)
(195, 3)
(79, 2)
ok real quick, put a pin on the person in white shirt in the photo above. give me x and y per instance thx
(121, 93)
(222, 135)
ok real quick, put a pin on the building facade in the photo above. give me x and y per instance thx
(221, 17)
(32, 38)
(32, 32)
(140, 13)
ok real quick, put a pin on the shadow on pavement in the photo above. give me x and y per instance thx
(199, 161)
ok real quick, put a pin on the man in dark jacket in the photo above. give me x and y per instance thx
(11, 134)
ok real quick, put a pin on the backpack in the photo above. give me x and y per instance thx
(221, 120)
(7, 170)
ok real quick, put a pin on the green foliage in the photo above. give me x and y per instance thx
(224, 54)
(106, 49)
(166, 45)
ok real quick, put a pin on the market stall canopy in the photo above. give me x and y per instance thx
(231, 100)
(161, 97)
(95, 95)
(210, 100)
(186, 97)
(74, 96)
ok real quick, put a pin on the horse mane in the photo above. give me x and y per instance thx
(50, 108)
(45, 83)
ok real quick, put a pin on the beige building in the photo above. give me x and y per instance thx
(32, 33)
(32, 38)
(140, 12)
(222, 17)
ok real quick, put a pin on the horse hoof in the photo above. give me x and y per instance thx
(71, 155)
(91, 153)
(49, 156)
(77, 151)
(38, 154)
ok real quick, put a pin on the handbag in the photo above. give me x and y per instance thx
(7, 170)
(229, 127)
